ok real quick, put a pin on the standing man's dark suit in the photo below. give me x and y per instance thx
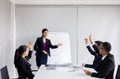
(106, 68)
(41, 58)
(97, 57)
(118, 72)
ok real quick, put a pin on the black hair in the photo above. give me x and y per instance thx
(107, 46)
(45, 29)
(18, 53)
(98, 42)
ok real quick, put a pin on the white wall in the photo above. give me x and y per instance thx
(104, 23)
(30, 20)
(67, 2)
(12, 72)
(79, 22)
(6, 33)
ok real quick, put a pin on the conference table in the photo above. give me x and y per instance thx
(62, 73)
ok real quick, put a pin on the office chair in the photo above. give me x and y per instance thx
(4, 73)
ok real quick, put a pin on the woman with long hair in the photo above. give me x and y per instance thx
(22, 55)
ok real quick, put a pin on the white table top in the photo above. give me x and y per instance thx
(61, 73)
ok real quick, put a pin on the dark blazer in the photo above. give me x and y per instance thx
(29, 55)
(23, 67)
(118, 73)
(97, 57)
(41, 58)
(106, 68)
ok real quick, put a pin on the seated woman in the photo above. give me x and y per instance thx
(21, 61)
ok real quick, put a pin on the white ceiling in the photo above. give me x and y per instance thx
(66, 2)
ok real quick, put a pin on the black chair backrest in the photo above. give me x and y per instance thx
(118, 72)
(0, 75)
(4, 73)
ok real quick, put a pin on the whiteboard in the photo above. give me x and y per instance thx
(61, 55)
